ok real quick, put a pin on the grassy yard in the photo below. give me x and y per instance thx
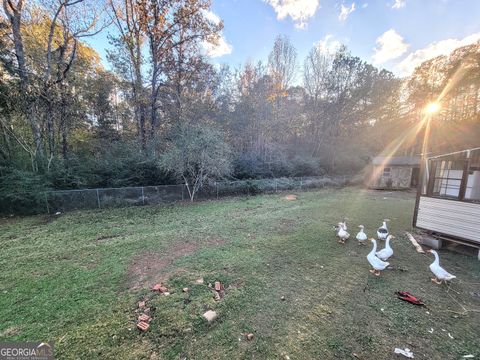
(76, 279)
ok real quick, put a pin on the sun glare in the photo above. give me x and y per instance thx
(432, 108)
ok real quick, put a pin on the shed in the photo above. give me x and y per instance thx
(393, 172)
(448, 197)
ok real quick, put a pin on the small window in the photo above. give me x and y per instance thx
(386, 172)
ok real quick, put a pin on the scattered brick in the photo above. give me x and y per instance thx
(185, 289)
(156, 287)
(218, 286)
(144, 318)
(216, 296)
(143, 326)
(249, 336)
(199, 281)
(141, 304)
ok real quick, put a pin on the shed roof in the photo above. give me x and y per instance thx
(396, 160)
(474, 150)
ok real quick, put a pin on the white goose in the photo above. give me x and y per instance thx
(361, 236)
(342, 232)
(440, 273)
(382, 231)
(384, 254)
(376, 263)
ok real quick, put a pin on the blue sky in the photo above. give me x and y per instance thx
(395, 34)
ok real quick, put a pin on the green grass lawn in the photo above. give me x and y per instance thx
(76, 279)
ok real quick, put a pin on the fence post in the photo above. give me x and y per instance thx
(183, 186)
(46, 202)
(275, 182)
(143, 197)
(98, 199)
(300, 183)
(216, 188)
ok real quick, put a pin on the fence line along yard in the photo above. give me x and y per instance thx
(68, 200)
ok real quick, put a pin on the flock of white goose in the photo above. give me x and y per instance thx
(378, 259)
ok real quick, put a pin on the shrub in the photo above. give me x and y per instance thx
(22, 192)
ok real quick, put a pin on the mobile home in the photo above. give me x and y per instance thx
(448, 197)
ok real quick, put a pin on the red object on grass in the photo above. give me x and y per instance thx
(406, 296)
(143, 326)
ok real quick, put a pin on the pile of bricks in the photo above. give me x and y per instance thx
(143, 320)
(144, 314)
(161, 289)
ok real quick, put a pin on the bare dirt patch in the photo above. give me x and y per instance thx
(152, 267)
(11, 331)
(285, 226)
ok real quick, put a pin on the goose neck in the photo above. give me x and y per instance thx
(374, 247)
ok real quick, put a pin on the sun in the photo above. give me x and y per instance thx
(432, 108)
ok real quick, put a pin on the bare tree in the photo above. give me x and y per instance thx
(14, 12)
(315, 73)
(68, 21)
(282, 63)
(172, 30)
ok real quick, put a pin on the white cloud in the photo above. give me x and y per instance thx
(298, 10)
(443, 47)
(345, 11)
(398, 4)
(390, 45)
(328, 44)
(221, 47)
(364, 6)
(210, 15)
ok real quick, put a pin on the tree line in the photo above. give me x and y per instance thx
(163, 113)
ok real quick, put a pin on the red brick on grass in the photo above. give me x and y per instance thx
(159, 287)
(218, 285)
(144, 318)
(143, 326)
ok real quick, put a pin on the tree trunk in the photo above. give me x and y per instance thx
(63, 123)
(14, 15)
(153, 101)
(50, 126)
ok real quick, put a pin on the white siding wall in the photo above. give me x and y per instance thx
(450, 217)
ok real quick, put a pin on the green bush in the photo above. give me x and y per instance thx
(22, 192)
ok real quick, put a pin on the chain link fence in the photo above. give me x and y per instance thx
(68, 200)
